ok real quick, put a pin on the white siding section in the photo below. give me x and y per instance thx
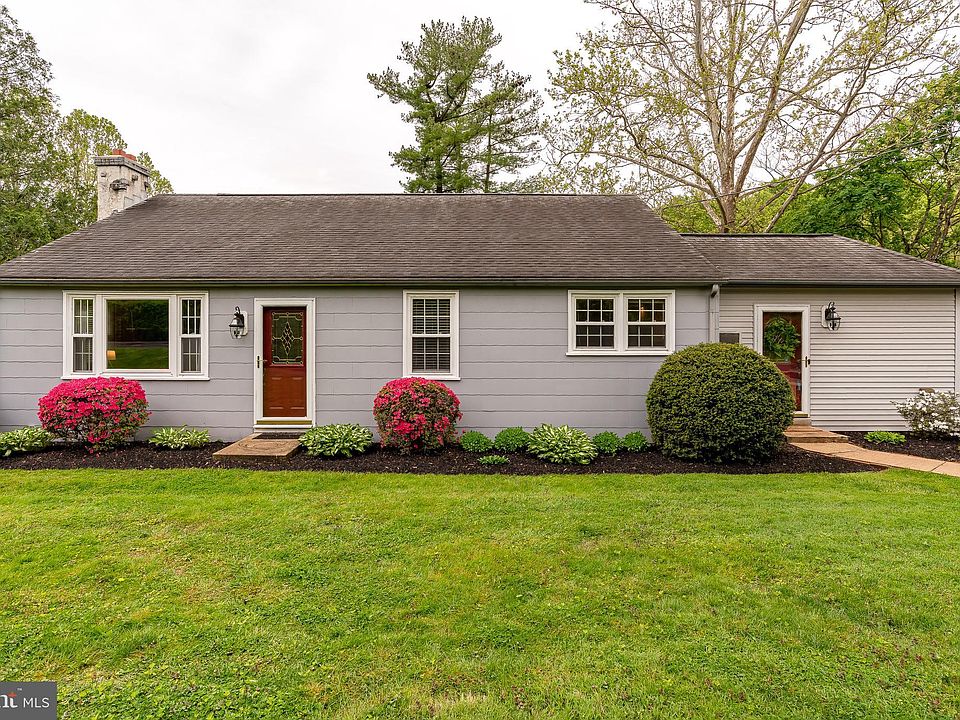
(891, 343)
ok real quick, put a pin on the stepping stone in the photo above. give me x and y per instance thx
(255, 446)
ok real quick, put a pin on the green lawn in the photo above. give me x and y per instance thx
(231, 594)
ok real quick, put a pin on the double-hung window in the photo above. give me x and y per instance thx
(138, 335)
(621, 322)
(430, 335)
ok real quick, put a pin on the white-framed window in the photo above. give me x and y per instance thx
(621, 322)
(136, 335)
(431, 335)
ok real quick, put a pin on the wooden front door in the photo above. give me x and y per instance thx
(784, 343)
(285, 362)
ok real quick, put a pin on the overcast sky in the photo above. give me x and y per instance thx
(234, 97)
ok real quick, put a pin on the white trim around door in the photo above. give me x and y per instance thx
(261, 423)
(804, 310)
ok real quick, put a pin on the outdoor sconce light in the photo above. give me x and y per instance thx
(238, 326)
(831, 318)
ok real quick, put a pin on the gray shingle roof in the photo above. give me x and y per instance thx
(815, 260)
(371, 238)
(537, 239)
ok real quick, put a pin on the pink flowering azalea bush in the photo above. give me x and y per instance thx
(416, 414)
(99, 412)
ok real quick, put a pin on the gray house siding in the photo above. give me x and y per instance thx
(892, 341)
(513, 361)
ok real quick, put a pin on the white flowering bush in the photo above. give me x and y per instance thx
(932, 413)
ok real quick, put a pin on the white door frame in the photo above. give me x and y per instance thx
(310, 333)
(758, 311)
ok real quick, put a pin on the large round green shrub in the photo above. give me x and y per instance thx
(719, 403)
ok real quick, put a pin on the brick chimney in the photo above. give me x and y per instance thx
(121, 182)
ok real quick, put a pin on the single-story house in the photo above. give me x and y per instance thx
(533, 308)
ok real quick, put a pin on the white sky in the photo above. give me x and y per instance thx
(229, 96)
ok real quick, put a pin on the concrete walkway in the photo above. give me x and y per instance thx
(828, 443)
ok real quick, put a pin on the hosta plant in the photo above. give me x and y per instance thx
(607, 442)
(99, 412)
(634, 441)
(932, 413)
(337, 440)
(493, 460)
(415, 414)
(475, 441)
(24, 440)
(512, 439)
(179, 438)
(562, 444)
(885, 437)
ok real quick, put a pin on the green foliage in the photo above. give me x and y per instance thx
(780, 339)
(24, 440)
(47, 181)
(607, 442)
(493, 460)
(885, 437)
(337, 440)
(900, 187)
(562, 444)
(719, 402)
(179, 438)
(733, 107)
(513, 439)
(475, 441)
(634, 441)
(472, 118)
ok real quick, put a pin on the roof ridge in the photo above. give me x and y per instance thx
(760, 235)
(406, 195)
(896, 253)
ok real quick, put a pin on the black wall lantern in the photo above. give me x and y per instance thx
(831, 318)
(238, 326)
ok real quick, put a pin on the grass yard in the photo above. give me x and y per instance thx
(233, 594)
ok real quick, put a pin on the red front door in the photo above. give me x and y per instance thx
(284, 362)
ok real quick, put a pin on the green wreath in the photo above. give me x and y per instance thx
(780, 339)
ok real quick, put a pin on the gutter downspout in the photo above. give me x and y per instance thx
(714, 324)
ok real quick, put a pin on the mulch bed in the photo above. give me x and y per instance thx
(915, 445)
(453, 461)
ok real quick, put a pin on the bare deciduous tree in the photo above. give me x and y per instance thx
(721, 100)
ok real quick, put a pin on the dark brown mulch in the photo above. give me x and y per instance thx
(140, 456)
(915, 445)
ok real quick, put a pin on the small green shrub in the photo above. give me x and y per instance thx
(513, 439)
(607, 442)
(333, 440)
(719, 402)
(475, 441)
(635, 441)
(24, 440)
(885, 437)
(179, 438)
(493, 460)
(562, 444)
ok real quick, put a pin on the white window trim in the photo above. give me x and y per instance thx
(100, 338)
(261, 423)
(454, 298)
(620, 322)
